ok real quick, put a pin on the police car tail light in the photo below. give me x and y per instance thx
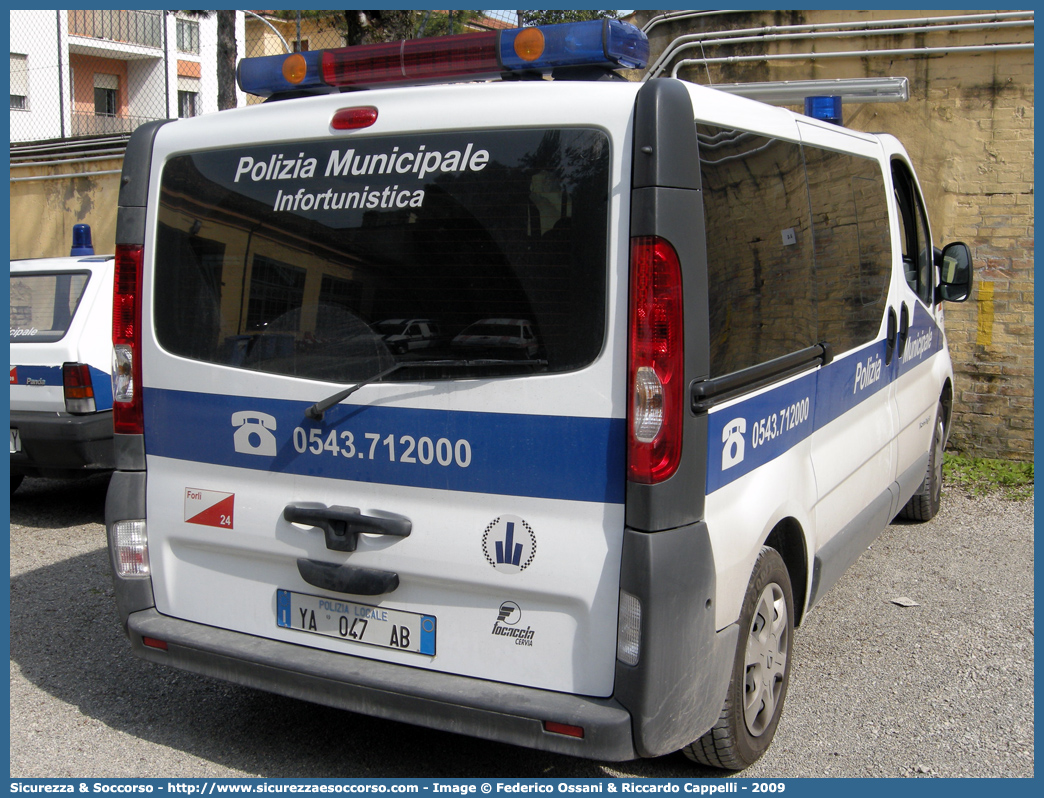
(472, 56)
(79, 390)
(554, 727)
(656, 361)
(132, 548)
(126, 336)
(629, 629)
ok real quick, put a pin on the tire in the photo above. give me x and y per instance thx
(925, 503)
(760, 673)
(16, 480)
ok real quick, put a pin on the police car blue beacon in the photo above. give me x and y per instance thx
(597, 543)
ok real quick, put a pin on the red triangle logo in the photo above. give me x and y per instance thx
(219, 514)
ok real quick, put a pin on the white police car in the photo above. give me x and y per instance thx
(601, 547)
(61, 355)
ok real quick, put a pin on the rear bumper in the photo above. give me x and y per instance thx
(490, 710)
(62, 445)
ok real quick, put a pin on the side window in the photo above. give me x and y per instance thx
(759, 248)
(853, 260)
(913, 227)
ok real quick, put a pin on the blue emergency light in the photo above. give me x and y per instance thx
(824, 107)
(81, 240)
(608, 44)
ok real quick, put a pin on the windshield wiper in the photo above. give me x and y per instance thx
(317, 410)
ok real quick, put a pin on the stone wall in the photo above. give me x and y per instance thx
(968, 127)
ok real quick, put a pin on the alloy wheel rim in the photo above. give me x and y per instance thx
(768, 645)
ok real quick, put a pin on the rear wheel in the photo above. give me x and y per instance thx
(925, 503)
(16, 480)
(760, 673)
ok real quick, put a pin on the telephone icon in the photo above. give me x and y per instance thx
(732, 437)
(253, 435)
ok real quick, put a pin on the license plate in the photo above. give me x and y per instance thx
(359, 623)
(16, 441)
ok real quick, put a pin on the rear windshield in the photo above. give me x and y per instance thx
(43, 305)
(458, 255)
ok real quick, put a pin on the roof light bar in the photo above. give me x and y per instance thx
(609, 44)
(850, 90)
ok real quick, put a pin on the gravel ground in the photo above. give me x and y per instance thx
(940, 689)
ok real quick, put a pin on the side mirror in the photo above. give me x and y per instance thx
(955, 273)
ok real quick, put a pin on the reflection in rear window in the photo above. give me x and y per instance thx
(43, 305)
(335, 260)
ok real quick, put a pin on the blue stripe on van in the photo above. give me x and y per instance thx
(756, 431)
(52, 375)
(553, 457)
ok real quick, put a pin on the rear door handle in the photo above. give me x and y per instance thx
(904, 328)
(347, 578)
(893, 332)
(343, 525)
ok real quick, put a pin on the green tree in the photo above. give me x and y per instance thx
(372, 27)
(534, 17)
(226, 59)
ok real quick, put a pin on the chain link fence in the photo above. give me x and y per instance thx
(84, 73)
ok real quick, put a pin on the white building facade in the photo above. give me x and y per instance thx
(99, 73)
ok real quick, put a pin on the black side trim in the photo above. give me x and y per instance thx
(125, 500)
(665, 154)
(134, 184)
(676, 691)
(347, 578)
(666, 201)
(707, 393)
(844, 548)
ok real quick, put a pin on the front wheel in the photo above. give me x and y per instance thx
(760, 673)
(925, 503)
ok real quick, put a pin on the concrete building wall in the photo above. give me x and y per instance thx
(43, 212)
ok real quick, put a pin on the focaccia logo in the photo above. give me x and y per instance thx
(507, 625)
(509, 544)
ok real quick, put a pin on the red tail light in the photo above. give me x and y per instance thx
(126, 342)
(656, 363)
(79, 390)
(563, 728)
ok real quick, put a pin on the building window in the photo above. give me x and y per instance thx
(19, 82)
(187, 103)
(188, 36)
(105, 88)
(300, 45)
(188, 96)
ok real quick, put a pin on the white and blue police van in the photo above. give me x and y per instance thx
(596, 541)
(61, 359)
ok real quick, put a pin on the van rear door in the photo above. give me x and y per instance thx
(456, 506)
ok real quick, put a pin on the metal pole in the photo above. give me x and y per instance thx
(61, 89)
(166, 70)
